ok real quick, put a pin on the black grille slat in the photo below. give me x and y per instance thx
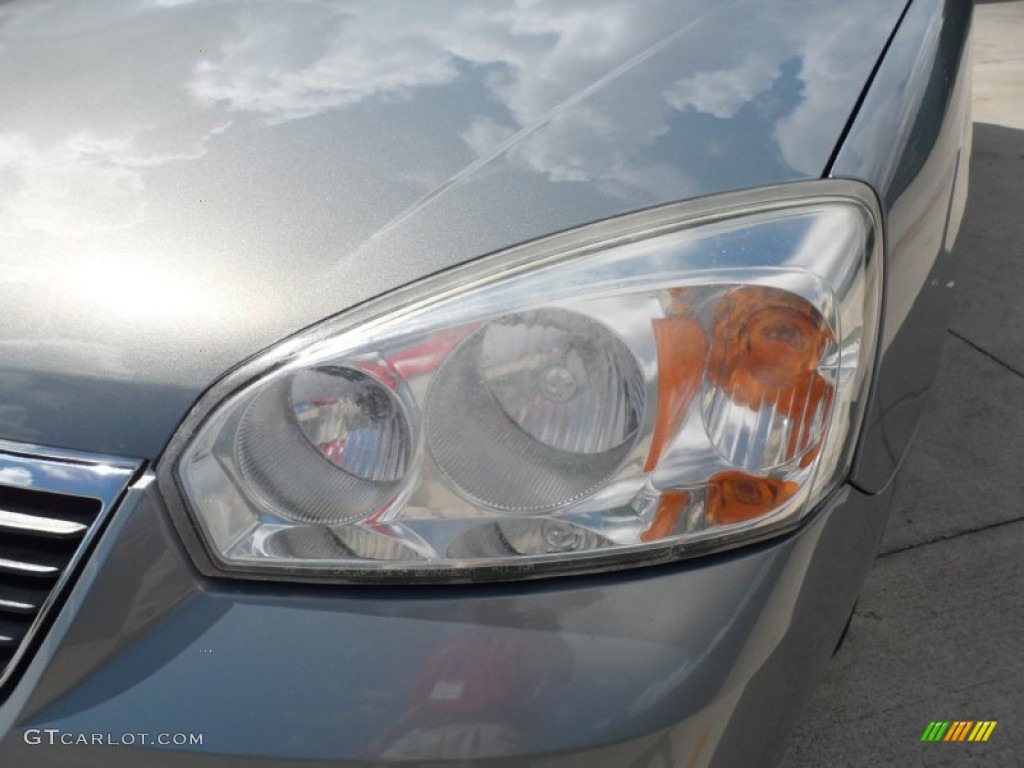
(47, 505)
(50, 509)
(37, 558)
(20, 607)
(44, 549)
(39, 533)
(23, 596)
(13, 630)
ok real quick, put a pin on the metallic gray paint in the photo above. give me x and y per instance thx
(344, 150)
(697, 657)
(911, 142)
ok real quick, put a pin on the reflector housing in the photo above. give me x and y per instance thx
(646, 388)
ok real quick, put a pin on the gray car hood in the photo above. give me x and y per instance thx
(185, 183)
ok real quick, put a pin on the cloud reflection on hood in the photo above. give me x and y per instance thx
(530, 57)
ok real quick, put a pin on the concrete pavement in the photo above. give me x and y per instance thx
(939, 630)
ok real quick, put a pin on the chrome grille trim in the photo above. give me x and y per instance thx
(22, 568)
(42, 526)
(52, 504)
(16, 606)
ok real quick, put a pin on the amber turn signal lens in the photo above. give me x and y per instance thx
(763, 341)
(670, 511)
(809, 392)
(682, 347)
(733, 497)
(771, 400)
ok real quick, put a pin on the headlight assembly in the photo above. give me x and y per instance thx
(658, 385)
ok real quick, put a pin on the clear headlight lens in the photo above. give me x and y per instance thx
(551, 397)
(668, 382)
